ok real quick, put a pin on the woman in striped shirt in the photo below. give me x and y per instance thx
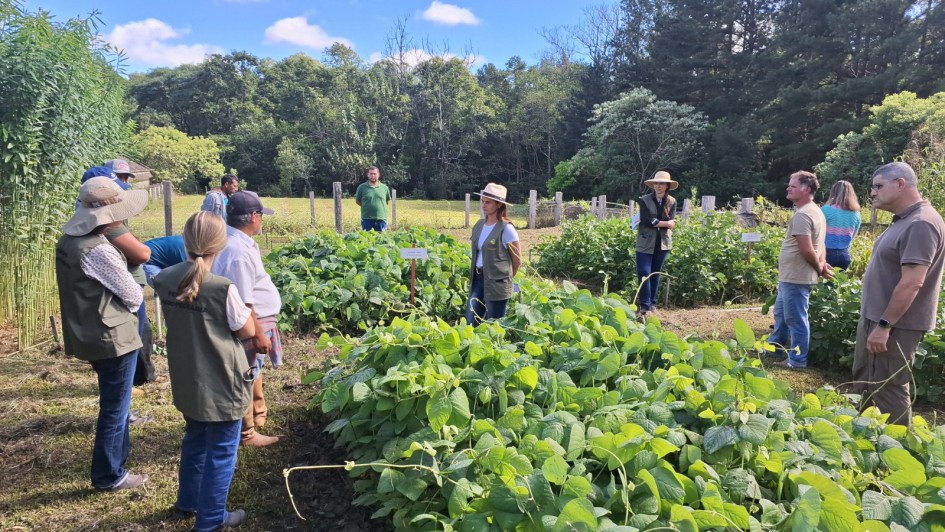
(842, 212)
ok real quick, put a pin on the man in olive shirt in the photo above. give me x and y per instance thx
(373, 198)
(900, 293)
(801, 262)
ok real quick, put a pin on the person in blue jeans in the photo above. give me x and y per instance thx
(99, 299)
(842, 213)
(373, 197)
(496, 258)
(654, 237)
(211, 378)
(801, 262)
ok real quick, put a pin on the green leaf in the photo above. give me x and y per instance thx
(360, 392)
(439, 409)
(718, 437)
(908, 473)
(555, 470)
(390, 479)
(459, 408)
(755, 430)
(876, 506)
(807, 515)
(907, 511)
(825, 437)
(682, 518)
(744, 336)
(526, 378)
(577, 515)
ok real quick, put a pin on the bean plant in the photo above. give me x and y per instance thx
(571, 415)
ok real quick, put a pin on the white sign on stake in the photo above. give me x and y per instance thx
(414, 253)
(751, 237)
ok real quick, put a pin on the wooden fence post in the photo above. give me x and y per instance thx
(311, 205)
(336, 193)
(393, 208)
(708, 204)
(556, 216)
(602, 207)
(748, 204)
(532, 209)
(168, 215)
(468, 201)
(686, 209)
(631, 207)
(594, 206)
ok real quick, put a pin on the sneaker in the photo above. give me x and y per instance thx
(131, 482)
(135, 420)
(787, 363)
(233, 519)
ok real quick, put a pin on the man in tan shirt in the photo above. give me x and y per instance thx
(900, 293)
(801, 262)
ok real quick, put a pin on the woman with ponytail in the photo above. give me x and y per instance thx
(211, 379)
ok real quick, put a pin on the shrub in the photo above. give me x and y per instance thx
(708, 263)
(358, 280)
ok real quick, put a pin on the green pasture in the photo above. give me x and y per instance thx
(293, 215)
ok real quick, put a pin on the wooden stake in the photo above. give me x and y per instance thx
(55, 331)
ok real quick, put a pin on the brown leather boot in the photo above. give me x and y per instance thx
(249, 437)
(260, 412)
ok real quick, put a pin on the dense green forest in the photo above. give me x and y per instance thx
(728, 95)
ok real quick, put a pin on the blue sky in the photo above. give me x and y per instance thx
(171, 32)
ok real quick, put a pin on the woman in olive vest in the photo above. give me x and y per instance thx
(654, 237)
(211, 380)
(99, 299)
(496, 257)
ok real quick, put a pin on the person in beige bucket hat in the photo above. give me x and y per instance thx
(654, 237)
(99, 299)
(496, 257)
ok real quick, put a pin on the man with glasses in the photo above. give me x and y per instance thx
(900, 293)
(241, 263)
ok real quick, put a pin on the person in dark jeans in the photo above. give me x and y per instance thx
(99, 299)
(654, 237)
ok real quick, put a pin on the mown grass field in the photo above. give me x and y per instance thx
(293, 215)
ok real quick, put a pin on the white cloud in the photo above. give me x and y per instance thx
(297, 30)
(416, 56)
(144, 41)
(449, 14)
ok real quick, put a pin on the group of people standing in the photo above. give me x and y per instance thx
(901, 284)
(221, 320)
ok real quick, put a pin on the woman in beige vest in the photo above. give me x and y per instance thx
(211, 379)
(654, 237)
(496, 257)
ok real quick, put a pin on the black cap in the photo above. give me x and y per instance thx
(245, 202)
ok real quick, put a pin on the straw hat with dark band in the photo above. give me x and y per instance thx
(102, 202)
(664, 178)
(494, 192)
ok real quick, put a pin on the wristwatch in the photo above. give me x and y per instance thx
(655, 221)
(885, 324)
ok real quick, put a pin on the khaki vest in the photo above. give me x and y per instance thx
(95, 323)
(206, 361)
(496, 262)
(649, 237)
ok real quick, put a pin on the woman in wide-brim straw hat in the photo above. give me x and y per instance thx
(98, 299)
(496, 257)
(654, 237)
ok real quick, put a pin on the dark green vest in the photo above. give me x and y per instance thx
(649, 237)
(95, 323)
(206, 361)
(496, 262)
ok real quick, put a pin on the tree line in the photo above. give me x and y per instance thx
(730, 96)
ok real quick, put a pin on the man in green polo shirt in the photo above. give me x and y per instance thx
(373, 198)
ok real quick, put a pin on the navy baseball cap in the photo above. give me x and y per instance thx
(104, 171)
(245, 202)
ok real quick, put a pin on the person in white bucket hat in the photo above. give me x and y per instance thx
(654, 237)
(496, 257)
(99, 299)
